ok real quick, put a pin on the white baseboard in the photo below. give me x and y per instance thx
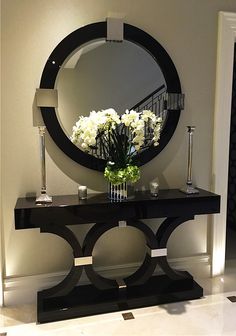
(23, 290)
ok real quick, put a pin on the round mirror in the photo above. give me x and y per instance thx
(91, 73)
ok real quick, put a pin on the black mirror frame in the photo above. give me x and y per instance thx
(72, 42)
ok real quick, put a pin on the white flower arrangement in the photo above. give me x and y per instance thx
(117, 139)
(87, 129)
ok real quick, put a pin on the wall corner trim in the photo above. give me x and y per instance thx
(222, 115)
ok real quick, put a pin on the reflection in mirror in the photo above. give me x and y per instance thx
(103, 74)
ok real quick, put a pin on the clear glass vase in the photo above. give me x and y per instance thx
(120, 192)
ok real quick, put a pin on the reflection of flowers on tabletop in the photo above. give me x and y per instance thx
(117, 139)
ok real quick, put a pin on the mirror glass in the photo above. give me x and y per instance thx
(103, 75)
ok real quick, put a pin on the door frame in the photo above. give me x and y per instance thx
(221, 137)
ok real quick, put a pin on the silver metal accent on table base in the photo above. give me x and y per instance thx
(161, 252)
(189, 188)
(121, 284)
(122, 223)
(81, 261)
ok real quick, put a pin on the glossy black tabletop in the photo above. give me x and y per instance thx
(69, 209)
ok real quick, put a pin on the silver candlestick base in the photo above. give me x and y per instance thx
(43, 199)
(189, 189)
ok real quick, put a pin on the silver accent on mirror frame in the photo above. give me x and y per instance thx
(115, 29)
(173, 101)
(44, 198)
(189, 188)
(46, 97)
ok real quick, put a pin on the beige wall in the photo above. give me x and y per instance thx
(31, 29)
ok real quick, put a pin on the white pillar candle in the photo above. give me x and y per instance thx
(82, 192)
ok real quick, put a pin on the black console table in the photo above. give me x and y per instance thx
(142, 288)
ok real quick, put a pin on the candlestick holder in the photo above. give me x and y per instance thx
(154, 188)
(43, 198)
(189, 188)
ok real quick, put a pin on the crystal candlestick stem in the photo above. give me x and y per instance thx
(189, 188)
(43, 198)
